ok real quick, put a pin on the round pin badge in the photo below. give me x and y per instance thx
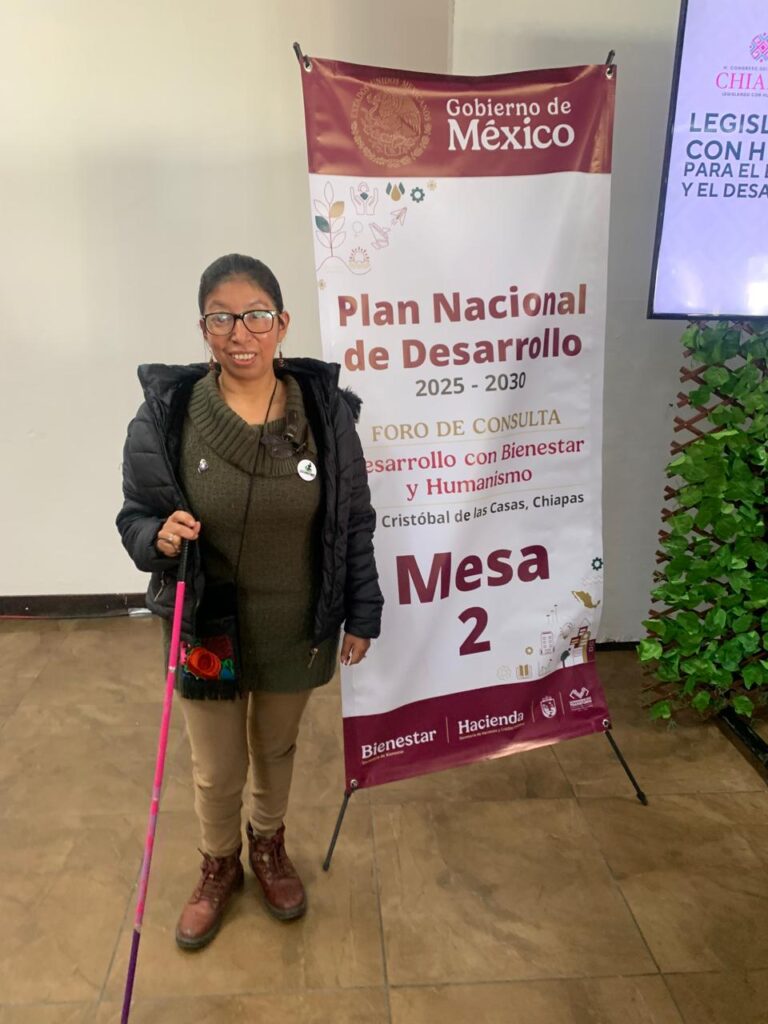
(307, 470)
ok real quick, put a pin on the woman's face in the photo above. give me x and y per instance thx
(241, 354)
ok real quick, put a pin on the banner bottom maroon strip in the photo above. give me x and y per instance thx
(460, 728)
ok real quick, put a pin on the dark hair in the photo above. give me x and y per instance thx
(235, 265)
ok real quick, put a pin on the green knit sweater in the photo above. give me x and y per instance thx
(279, 572)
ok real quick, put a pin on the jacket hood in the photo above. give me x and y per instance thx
(353, 401)
(162, 382)
(158, 380)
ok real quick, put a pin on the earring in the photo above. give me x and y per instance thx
(280, 360)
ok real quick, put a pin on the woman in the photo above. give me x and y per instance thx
(255, 461)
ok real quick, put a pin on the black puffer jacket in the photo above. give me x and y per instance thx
(349, 589)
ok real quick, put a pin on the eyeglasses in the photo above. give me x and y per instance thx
(257, 321)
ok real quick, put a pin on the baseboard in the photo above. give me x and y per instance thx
(87, 606)
(68, 606)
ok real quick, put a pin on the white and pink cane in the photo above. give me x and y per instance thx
(162, 746)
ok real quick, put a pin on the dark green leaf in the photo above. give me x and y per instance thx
(725, 527)
(743, 706)
(753, 675)
(668, 671)
(750, 642)
(690, 496)
(702, 700)
(680, 524)
(661, 709)
(690, 336)
(700, 396)
(731, 655)
(715, 621)
(649, 650)
(742, 623)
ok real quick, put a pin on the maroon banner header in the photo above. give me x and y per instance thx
(375, 121)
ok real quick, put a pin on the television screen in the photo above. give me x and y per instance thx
(711, 253)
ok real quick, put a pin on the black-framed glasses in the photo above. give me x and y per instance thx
(257, 321)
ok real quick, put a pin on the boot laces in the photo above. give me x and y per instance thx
(274, 858)
(214, 881)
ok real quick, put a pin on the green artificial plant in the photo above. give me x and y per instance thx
(708, 635)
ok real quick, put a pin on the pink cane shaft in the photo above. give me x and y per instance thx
(162, 746)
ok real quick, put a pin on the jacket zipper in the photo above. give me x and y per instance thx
(322, 404)
(312, 656)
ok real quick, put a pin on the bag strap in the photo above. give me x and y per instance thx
(250, 485)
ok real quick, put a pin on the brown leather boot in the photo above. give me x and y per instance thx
(283, 892)
(201, 917)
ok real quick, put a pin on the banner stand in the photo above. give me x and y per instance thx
(353, 788)
(409, 171)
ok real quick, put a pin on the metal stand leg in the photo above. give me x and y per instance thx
(640, 794)
(327, 862)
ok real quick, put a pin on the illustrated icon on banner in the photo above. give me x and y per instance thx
(380, 236)
(359, 261)
(548, 707)
(547, 638)
(329, 228)
(363, 199)
(578, 650)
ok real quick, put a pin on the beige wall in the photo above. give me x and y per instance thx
(148, 138)
(139, 141)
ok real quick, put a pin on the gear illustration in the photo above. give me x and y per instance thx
(418, 195)
(597, 564)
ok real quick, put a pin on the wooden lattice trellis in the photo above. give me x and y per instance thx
(691, 424)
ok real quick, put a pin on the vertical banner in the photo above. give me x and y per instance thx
(461, 231)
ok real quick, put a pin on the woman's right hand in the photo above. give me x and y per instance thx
(177, 527)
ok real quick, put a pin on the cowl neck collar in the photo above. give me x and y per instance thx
(239, 442)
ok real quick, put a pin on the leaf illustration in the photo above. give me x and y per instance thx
(337, 209)
(338, 224)
(339, 239)
(328, 192)
(323, 239)
(323, 224)
(320, 207)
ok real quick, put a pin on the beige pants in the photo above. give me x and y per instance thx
(225, 735)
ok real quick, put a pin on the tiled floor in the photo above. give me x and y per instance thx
(529, 890)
